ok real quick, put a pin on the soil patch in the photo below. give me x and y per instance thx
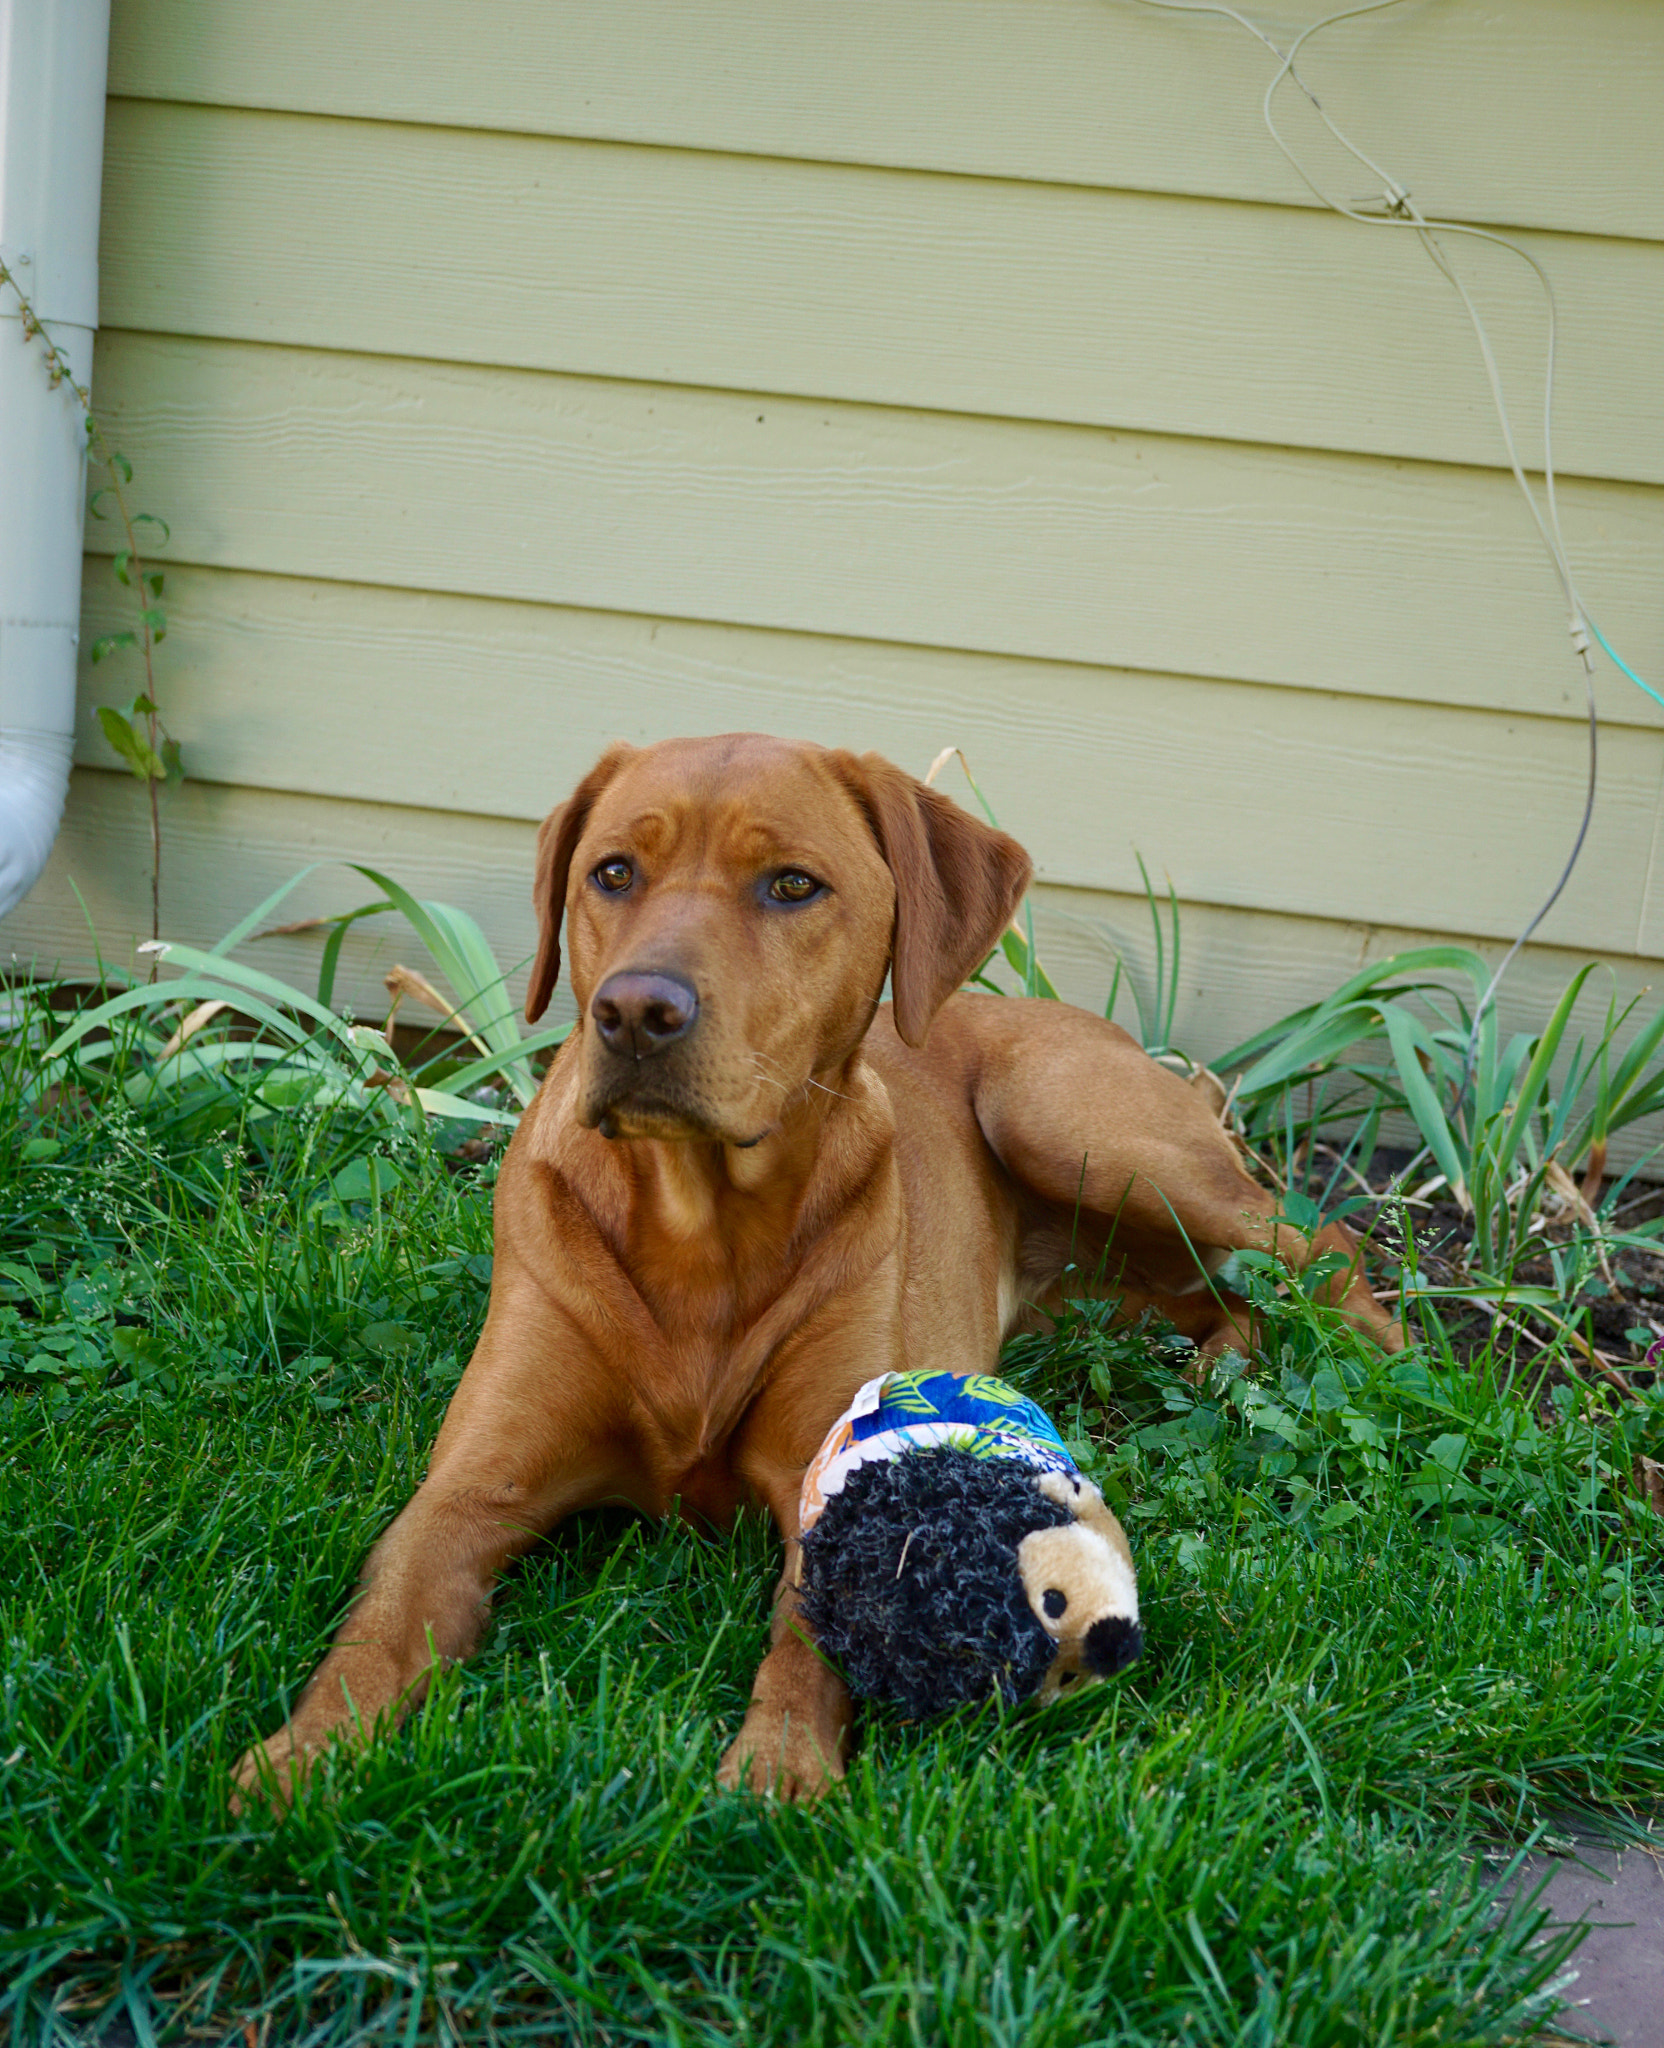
(1615, 1317)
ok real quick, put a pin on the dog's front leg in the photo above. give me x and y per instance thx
(795, 1736)
(530, 1436)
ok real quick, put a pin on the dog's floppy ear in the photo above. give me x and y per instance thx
(958, 885)
(557, 840)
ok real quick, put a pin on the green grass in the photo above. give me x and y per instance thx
(224, 1349)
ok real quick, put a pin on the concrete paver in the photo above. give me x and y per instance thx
(1619, 1893)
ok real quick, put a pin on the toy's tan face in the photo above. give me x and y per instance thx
(1080, 1583)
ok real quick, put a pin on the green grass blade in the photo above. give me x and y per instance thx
(1536, 1076)
(1408, 1041)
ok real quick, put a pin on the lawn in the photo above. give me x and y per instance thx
(1399, 1613)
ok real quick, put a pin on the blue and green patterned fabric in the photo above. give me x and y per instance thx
(909, 1411)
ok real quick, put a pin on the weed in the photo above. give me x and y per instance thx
(225, 1045)
(1501, 1123)
(1322, 1428)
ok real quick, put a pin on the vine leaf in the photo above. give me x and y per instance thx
(133, 747)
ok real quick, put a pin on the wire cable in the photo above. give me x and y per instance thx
(1618, 661)
(1401, 211)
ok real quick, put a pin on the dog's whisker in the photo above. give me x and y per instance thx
(809, 1082)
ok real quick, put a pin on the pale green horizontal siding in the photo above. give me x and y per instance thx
(1022, 300)
(515, 374)
(1210, 558)
(230, 846)
(1540, 113)
(1246, 795)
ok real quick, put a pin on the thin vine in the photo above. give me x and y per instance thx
(137, 733)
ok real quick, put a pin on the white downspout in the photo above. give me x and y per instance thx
(53, 58)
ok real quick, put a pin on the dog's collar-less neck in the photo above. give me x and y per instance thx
(757, 1239)
(833, 1131)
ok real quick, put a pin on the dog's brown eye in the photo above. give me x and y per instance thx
(1054, 1601)
(614, 875)
(794, 886)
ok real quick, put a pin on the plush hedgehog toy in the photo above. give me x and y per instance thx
(952, 1550)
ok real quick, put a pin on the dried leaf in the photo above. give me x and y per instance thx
(940, 762)
(1649, 1483)
(1571, 1198)
(189, 1026)
(1570, 1194)
(406, 981)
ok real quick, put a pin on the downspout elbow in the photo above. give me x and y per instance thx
(34, 780)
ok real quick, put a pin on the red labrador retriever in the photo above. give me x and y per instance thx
(747, 1186)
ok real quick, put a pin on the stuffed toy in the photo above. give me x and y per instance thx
(951, 1550)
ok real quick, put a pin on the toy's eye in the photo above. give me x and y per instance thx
(614, 876)
(793, 886)
(1054, 1602)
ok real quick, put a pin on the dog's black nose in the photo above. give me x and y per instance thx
(640, 1014)
(1111, 1645)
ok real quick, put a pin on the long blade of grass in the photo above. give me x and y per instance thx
(1310, 1046)
(1398, 968)
(255, 981)
(480, 1070)
(1537, 1073)
(143, 997)
(1019, 949)
(439, 1102)
(1408, 1041)
(329, 966)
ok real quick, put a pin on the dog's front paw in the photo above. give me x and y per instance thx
(271, 1773)
(782, 1756)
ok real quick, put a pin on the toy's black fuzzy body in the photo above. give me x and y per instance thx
(911, 1583)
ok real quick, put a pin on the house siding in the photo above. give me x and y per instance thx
(517, 376)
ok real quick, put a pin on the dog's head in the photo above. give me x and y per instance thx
(732, 906)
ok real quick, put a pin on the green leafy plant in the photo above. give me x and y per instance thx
(1501, 1121)
(1321, 1426)
(225, 1041)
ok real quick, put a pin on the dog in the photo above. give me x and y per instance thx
(747, 1185)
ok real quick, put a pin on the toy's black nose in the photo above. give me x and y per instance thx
(640, 1014)
(1111, 1645)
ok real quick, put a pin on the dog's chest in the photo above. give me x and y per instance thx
(709, 1491)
